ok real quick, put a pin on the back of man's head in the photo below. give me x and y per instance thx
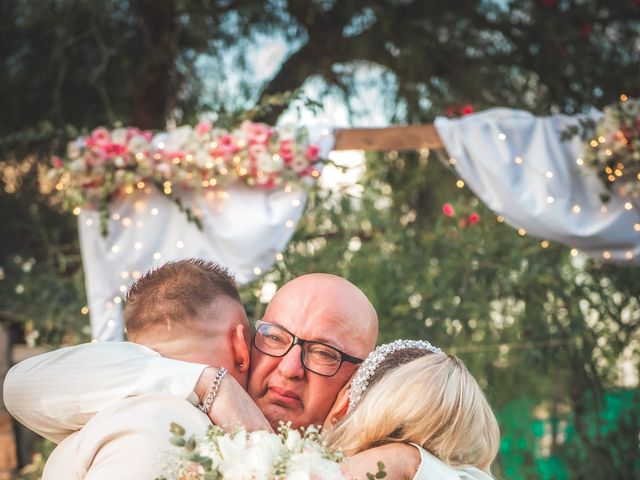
(174, 296)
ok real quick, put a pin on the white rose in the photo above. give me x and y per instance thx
(138, 144)
(268, 163)
(119, 135)
(178, 138)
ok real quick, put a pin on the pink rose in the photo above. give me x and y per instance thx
(99, 137)
(226, 146)
(312, 152)
(114, 149)
(474, 218)
(147, 134)
(285, 150)
(203, 128)
(259, 133)
(448, 210)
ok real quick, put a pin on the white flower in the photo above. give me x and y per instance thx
(119, 135)
(138, 144)
(178, 138)
(234, 465)
(268, 163)
(78, 165)
(73, 150)
(310, 464)
(262, 455)
(294, 441)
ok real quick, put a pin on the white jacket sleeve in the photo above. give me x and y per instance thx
(56, 393)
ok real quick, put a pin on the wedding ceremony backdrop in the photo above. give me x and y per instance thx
(493, 210)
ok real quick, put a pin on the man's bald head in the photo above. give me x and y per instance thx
(321, 308)
(334, 303)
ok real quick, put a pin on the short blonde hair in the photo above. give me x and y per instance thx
(424, 398)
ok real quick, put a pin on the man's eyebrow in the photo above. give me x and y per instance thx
(331, 343)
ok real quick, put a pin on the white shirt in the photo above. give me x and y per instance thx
(56, 393)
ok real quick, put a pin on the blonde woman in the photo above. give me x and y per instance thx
(417, 410)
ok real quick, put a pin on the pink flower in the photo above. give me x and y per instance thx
(474, 218)
(56, 162)
(312, 152)
(286, 151)
(448, 210)
(203, 128)
(257, 132)
(226, 146)
(114, 149)
(133, 132)
(99, 137)
(147, 134)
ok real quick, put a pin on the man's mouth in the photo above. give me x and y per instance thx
(284, 397)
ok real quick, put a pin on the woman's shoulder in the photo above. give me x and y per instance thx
(431, 467)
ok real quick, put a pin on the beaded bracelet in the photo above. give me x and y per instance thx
(205, 406)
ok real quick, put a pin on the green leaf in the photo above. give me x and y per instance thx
(176, 429)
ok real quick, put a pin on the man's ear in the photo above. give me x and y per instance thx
(240, 345)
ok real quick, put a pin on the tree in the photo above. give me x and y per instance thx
(544, 332)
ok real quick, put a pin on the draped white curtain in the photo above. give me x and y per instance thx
(519, 166)
(243, 228)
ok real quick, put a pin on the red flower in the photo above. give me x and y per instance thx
(467, 109)
(474, 218)
(448, 210)
(585, 29)
(57, 162)
(548, 3)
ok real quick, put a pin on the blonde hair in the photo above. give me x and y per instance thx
(424, 398)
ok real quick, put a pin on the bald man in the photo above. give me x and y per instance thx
(324, 327)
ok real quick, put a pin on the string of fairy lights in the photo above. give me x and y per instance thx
(548, 175)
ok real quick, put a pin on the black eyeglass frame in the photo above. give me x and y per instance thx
(344, 357)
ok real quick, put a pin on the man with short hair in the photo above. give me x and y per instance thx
(326, 326)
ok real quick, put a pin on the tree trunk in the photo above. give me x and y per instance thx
(156, 81)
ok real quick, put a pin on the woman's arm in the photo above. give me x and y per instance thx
(401, 461)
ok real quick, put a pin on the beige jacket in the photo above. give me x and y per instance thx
(127, 440)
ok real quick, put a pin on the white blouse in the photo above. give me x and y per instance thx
(432, 468)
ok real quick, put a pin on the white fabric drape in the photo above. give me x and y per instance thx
(244, 229)
(519, 166)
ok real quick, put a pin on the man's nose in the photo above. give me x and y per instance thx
(291, 364)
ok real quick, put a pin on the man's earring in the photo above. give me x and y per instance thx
(242, 365)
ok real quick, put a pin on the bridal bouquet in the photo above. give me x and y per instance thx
(289, 454)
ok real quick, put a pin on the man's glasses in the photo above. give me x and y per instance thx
(316, 357)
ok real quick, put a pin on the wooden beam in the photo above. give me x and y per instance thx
(408, 137)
